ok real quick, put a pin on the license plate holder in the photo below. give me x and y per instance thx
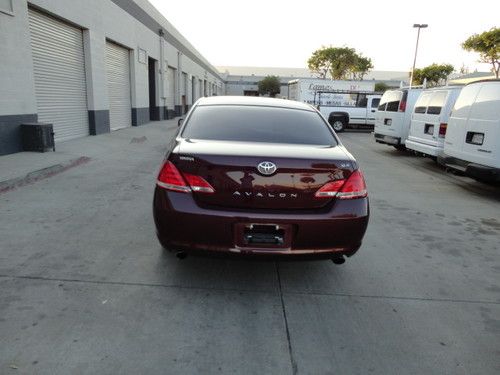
(262, 235)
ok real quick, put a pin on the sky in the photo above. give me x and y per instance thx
(284, 33)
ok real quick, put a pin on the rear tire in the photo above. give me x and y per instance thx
(400, 147)
(338, 125)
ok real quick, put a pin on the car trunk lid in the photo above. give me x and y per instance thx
(231, 168)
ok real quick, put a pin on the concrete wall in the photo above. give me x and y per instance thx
(134, 24)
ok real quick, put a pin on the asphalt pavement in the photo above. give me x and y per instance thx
(85, 287)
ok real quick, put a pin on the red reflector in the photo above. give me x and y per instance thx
(402, 106)
(198, 184)
(330, 189)
(355, 187)
(169, 178)
(442, 130)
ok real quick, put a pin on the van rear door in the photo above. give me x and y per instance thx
(388, 118)
(427, 116)
(482, 131)
(457, 124)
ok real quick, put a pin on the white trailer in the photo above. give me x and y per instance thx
(306, 90)
(343, 103)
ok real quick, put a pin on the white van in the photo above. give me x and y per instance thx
(392, 119)
(430, 119)
(472, 143)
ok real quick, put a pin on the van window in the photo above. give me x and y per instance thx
(437, 102)
(422, 102)
(375, 102)
(487, 104)
(390, 101)
(465, 100)
(362, 101)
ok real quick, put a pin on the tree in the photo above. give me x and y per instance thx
(319, 63)
(339, 63)
(271, 85)
(487, 44)
(435, 74)
(361, 67)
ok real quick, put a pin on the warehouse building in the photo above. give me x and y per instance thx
(90, 67)
(244, 80)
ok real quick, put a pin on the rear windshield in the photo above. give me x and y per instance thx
(390, 101)
(431, 102)
(422, 102)
(437, 102)
(258, 124)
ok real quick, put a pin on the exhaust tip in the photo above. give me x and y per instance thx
(181, 255)
(339, 260)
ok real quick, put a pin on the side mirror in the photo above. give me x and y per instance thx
(180, 122)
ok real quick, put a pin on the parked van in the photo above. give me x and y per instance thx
(472, 143)
(430, 119)
(392, 119)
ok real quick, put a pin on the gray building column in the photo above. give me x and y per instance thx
(17, 87)
(94, 45)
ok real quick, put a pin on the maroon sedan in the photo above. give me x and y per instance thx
(259, 176)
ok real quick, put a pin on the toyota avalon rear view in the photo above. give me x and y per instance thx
(259, 177)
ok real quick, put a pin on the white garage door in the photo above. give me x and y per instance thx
(59, 72)
(118, 76)
(171, 72)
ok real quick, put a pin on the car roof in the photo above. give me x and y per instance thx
(254, 101)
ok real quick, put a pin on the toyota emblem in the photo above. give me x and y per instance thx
(267, 168)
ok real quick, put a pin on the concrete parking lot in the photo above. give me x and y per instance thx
(86, 288)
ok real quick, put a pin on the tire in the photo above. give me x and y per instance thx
(338, 124)
(400, 147)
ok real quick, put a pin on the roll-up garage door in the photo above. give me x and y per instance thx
(171, 88)
(59, 72)
(118, 76)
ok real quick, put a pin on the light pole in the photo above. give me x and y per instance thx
(419, 26)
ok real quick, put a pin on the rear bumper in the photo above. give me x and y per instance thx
(387, 139)
(183, 225)
(478, 171)
(424, 148)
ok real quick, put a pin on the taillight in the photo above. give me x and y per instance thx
(352, 188)
(198, 184)
(355, 187)
(442, 130)
(402, 106)
(330, 189)
(171, 179)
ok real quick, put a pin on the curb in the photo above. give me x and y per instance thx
(41, 174)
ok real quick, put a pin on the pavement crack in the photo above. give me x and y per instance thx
(280, 290)
(290, 350)
(137, 284)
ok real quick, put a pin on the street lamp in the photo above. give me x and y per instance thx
(419, 26)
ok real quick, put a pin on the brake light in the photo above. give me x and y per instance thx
(169, 178)
(352, 188)
(442, 130)
(198, 184)
(402, 106)
(355, 187)
(330, 189)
